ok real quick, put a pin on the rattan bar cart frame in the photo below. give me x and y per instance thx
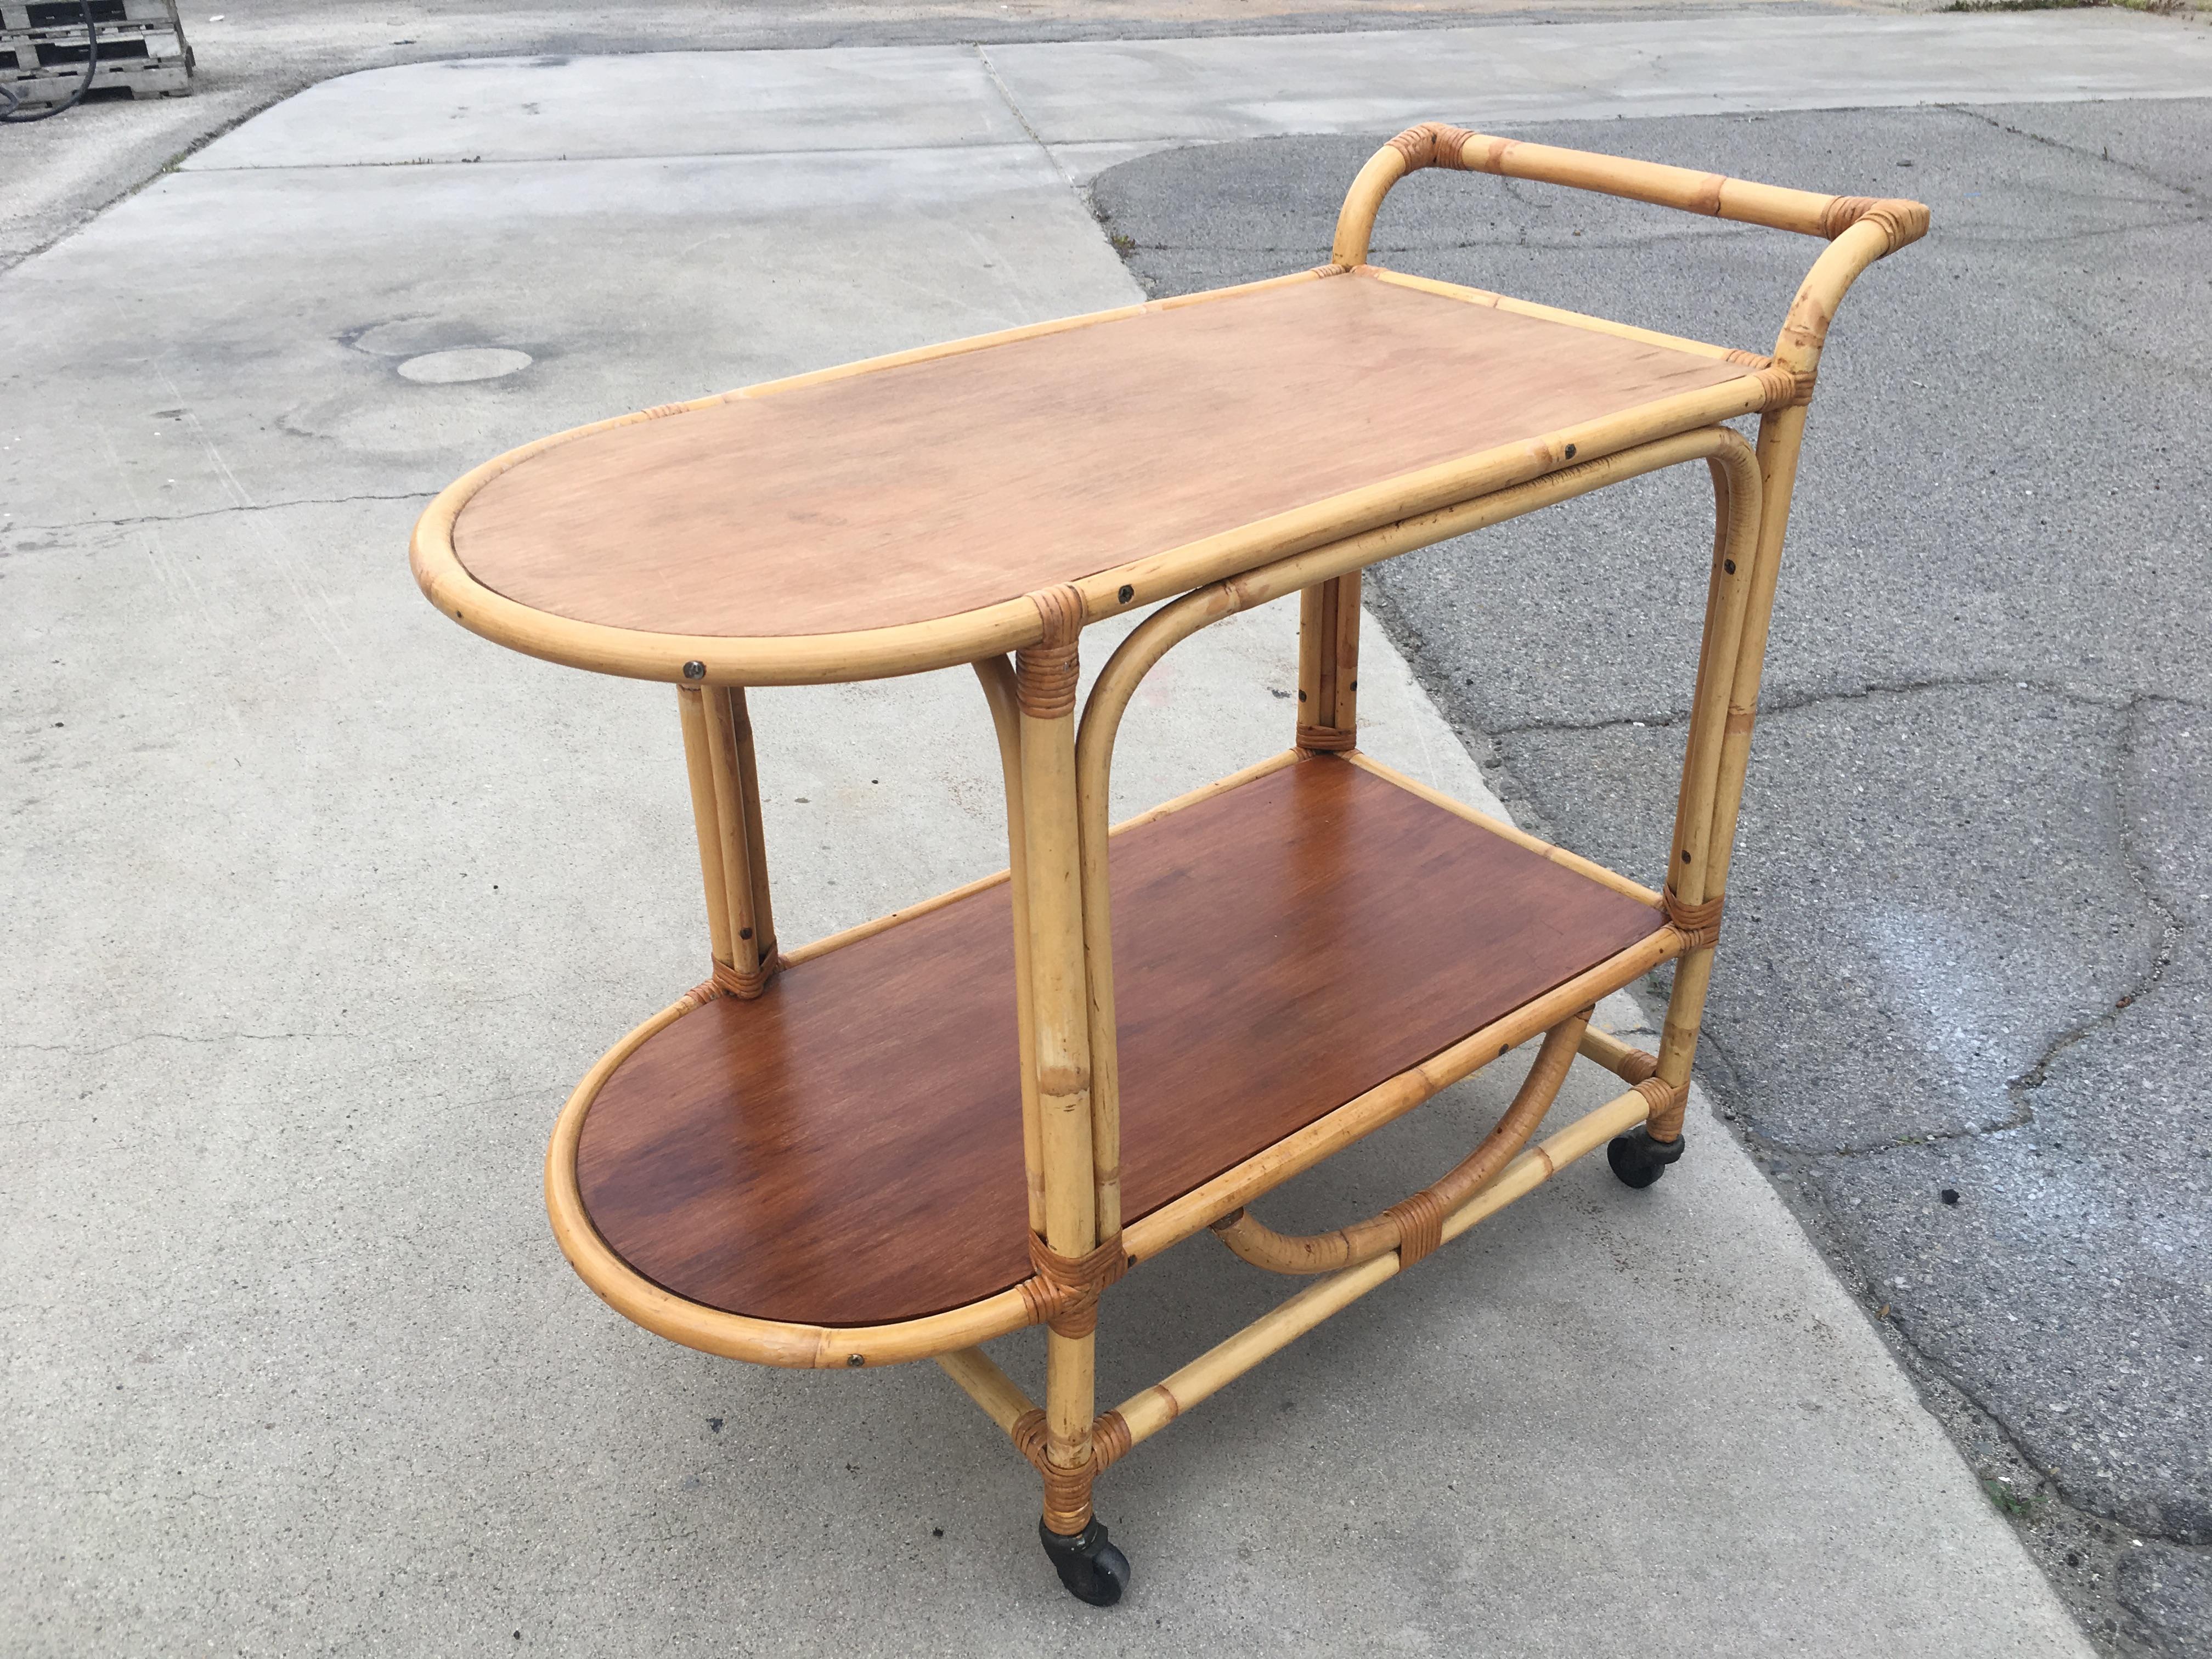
(812, 1159)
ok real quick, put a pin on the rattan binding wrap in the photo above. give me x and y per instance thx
(1702, 922)
(1420, 1221)
(1067, 1487)
(700, 995)
(1433, 144)
(1110, 1440)
(1901, 222)
(1663, 1096)
(1326, 739)
(1045, 673)
(1636, 1067)
(1064, 1293)
(736, 982)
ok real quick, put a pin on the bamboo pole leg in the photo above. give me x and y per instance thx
(1705, 815)
(997, 675)
(706, 817)
(733, 779)
(1328, 664)
(1781, 433)
(1073, 1263)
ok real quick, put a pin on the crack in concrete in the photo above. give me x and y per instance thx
(2089, 332)
(1791, 702)
(2170, 933)
(218, 512)
(171, 1036)
(2104, 156)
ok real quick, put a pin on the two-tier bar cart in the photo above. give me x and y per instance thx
(982, 1112)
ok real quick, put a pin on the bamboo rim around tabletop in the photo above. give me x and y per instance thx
(1057, 773)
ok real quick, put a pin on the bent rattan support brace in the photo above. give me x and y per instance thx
(1145, 1414)
(1413, 1226)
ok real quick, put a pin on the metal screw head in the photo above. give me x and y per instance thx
(1127, 594)
(856, 1359)
(695, 671)
(1571, 452)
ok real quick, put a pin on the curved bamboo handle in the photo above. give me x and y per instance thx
(1432, 144)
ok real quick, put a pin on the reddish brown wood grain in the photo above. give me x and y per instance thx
(938, 487)
(848, 1149)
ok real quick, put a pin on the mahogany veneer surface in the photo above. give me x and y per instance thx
(943, 486)
(846, 1149)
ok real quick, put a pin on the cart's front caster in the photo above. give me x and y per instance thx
(1092, 1569)
(1637, 1159)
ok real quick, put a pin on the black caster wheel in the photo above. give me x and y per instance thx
(1637, 1159)
(1092, 1569)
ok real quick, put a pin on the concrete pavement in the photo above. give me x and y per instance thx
(60, 172)
(317, 906)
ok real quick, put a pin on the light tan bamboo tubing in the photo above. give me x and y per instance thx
(1699, 827)
(1712, 194)
(741, 721)
(1060, 1014)
(1344, 1247)
(736, 783)
(1727, 590)
(1779, 438)
(1151, 1410)
(1781, 435)
(705, 817)
(997, 675)
(1629, 1063)
(1328, 663)
(1060, 1022)
(1000, 1397)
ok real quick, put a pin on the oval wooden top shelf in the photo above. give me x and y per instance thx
(892, 517)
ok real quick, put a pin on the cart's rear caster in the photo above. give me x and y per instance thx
(1092, 1569)
(1637, 1159)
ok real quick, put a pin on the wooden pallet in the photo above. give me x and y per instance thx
(142, 49)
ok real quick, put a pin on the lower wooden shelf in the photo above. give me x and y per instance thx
(847, 1148)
